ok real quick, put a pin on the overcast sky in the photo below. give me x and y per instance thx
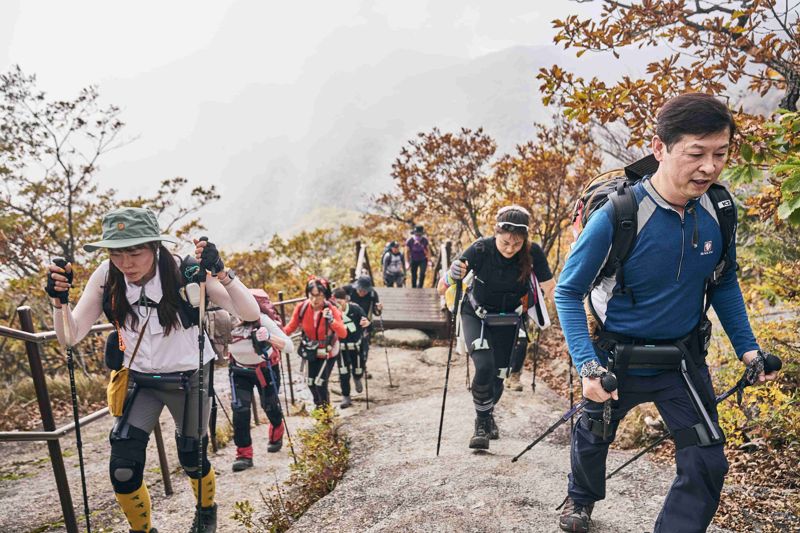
(173, 64)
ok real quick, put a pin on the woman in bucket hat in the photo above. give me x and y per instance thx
(150, 296)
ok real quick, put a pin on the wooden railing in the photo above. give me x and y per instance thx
(51, 434)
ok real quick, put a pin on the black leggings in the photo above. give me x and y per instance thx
(487, 385)
(519, 352)
(420, 265)
(319, 370)
(242, 382)
(349, 362)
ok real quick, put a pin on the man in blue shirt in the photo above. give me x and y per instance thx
(661, 311)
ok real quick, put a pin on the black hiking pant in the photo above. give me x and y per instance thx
(243, 380)
(319, 370)
(418, 266)
(491, 363)
(700, 471)
(350, 362)
(519, 352)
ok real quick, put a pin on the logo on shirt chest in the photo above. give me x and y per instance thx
(708, 248)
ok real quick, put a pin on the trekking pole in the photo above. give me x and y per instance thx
(366, 383)
(62, 263)
(609, 383)
(224, 411)
(771, 364)
(201, 343)
(212, 421)
(447, 372)
(386, 351)
(535, 358)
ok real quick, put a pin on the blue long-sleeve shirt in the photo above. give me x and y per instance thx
(666, 272)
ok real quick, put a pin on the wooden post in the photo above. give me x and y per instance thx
(254, 405)
(48, 422)
(282, 311)
(162, 459)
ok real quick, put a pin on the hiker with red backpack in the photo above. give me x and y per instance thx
(650, 262)
(321, 324)
(351, 359)
(248, 367)
(417, 257)
(493, 310)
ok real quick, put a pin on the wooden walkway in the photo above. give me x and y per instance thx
(412, 308)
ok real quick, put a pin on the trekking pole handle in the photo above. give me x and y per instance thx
(61, 263)
(772, 363)
(609, 382)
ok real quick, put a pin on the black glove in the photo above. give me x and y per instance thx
(210, 259)
(50, 288)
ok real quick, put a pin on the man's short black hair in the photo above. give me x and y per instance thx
(339, 293)
(693, 114)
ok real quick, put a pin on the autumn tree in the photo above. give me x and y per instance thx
(710, 47)
(546, 176)
(442, 176)
(49, 157)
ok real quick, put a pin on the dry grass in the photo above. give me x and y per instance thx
(19, 409)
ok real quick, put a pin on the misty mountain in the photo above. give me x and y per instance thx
(347, 127)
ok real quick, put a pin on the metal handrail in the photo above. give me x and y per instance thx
(44, 336)
(31, 436)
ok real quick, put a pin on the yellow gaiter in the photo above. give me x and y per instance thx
(136, 507)
(209, 487)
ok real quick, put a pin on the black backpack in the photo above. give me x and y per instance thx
(614, 186)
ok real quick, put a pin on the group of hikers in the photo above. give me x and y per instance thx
(649, 263)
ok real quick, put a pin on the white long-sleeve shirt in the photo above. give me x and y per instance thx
(158, 352)
(241, 346)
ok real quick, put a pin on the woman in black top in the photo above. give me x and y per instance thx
(492, 310)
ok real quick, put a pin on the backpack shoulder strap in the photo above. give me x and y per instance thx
(726, 213)
(726, 216)
(303, 309)
(626, 209)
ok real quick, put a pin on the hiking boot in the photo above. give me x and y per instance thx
(242, 463)
(575, 517)
(480, 439)
(346, 402)
(244, 458)
(513, 383)
(358, 384)
(494, 431)
(205, 520)
(275, 437)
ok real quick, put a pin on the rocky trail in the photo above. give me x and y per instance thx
(395, 481)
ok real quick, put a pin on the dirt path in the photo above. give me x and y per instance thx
(395, 482)
(29, 501)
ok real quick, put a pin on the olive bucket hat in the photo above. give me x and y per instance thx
(128, 226)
